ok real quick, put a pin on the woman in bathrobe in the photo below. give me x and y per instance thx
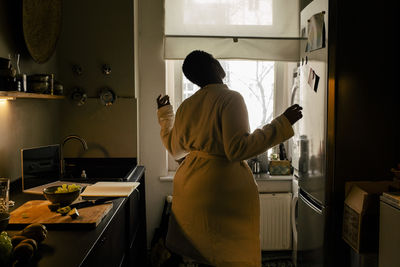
(215, 217)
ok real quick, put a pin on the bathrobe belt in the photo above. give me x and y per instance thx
(203, 154)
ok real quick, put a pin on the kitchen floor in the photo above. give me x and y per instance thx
(269, 259)
(277, 259)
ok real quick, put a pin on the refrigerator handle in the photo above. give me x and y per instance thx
(294, 90)
(293, 218)
(310, 204)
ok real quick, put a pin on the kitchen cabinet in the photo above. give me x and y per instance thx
(389, 235)
(136, 223)
(109, 250)
(123, 246)
(118, 240)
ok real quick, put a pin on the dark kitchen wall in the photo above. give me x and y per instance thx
(363, 78)
(97, 32)
(23, 122)
(367, 90)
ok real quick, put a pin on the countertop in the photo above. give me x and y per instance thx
(69, 247)
(257, 176)
(267, 176)
(273, 183)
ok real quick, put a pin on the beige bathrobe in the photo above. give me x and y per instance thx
(215, 208)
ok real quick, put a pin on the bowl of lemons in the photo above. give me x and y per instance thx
(63, 195)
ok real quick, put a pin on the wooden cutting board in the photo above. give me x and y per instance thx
(37, 211)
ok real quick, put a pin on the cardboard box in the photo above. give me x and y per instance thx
(361, 214)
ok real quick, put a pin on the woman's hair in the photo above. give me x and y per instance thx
(198, 67)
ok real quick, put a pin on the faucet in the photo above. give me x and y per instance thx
(69, 137)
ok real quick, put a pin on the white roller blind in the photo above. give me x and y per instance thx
(266, 29)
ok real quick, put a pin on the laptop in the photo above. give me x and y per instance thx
(41, 168)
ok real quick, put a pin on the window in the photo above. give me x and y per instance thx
(256, 18)
(253, 79)
(264, 85)
(256, 41)
(235, 12)
(261, 29)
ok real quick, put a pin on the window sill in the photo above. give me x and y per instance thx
(261, 176)
(168, 178)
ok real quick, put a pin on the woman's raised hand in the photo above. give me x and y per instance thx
(293, 113)
(163, 101)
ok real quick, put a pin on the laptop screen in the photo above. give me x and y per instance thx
(40, 165)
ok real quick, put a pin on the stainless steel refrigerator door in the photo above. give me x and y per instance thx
(311, 137)
(310, 232)
(293, 142)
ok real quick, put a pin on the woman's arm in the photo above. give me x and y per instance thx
(239, 143)
(166, 119)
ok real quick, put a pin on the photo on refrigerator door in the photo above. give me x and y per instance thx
(316, 32)
(313, 80)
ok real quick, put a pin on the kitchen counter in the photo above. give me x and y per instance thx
(267, 176)
(118, 240)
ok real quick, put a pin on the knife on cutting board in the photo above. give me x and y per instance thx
(89, 203)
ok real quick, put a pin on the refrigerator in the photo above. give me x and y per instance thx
(345, 84)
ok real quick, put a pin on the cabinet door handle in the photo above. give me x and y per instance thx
(138, 193)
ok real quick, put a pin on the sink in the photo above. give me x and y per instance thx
(99, 169)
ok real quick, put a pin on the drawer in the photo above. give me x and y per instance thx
(133, 213)
(109, 250)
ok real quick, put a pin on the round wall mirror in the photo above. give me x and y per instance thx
(41, 23)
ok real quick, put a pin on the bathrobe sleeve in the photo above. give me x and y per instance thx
(166, 119)
(239, 143)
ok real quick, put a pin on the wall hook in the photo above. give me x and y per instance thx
(106, 69)
(79, 96)
(107, 96)
(77, 69)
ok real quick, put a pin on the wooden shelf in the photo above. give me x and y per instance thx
(16, 94)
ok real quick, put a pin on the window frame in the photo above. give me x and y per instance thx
(283, 72)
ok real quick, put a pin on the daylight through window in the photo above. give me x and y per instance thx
(254, 80)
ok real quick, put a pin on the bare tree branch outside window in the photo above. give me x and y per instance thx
(254, 80)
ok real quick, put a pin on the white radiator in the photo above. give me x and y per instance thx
(276, 231)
